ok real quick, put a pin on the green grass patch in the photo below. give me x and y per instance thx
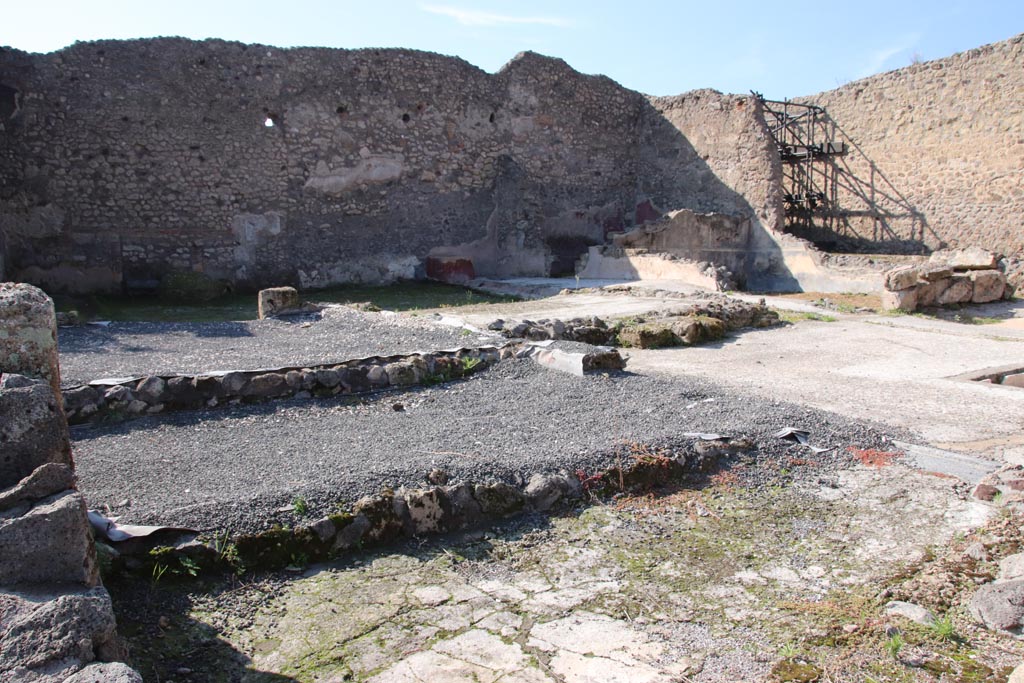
(799, 316)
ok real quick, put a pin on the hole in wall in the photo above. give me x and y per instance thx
(491, 117)
(342, 109)
(8, 101)
(405, 118)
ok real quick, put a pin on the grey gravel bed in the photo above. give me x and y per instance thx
(233, 470)
(338, 333)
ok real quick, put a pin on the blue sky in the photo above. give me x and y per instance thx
(657, 47)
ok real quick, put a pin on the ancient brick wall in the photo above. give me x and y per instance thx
(126, 160)
(937, 151)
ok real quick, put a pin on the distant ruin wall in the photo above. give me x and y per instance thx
(936, 150)
(122, 161)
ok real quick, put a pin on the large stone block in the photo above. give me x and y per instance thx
(989, 285)
(48, 637)
(28, 333)
(901, 277)
(1000, 606)
(968, 258)
(50, 543)
(277, 300)
(959, 291)
(44, 482)
(902, 300)
(33, 432)
(928, 293)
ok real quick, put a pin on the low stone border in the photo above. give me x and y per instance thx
(392, 515)
(694, 323)
(126, 397)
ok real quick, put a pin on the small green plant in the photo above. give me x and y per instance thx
(469, 365)
(466, 332)
(943, 628)
(188, 566)
(159, 569)
(894, 645)
(298, 561)
(301, 507)
(789, 651)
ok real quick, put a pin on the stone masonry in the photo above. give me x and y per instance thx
(55, 617)
(937, 147)
(123, 161)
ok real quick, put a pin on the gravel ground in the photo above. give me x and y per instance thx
(219, 469)
(338, 333)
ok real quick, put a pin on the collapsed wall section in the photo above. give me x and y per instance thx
(935, 152)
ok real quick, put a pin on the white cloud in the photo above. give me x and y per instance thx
(469, 17)
(878, 59)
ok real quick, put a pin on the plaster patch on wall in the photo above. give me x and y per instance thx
(383, 269)
(371, 170)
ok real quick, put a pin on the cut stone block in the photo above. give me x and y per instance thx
(33, 432)
(50, 543)
(277, 300)
(959, 291)
(900, 278)
(28, 345)
(934, 272)
(989, 285)
(44, 482)
(49, 636)
(928, 293)
(969, 258)
(903, 300)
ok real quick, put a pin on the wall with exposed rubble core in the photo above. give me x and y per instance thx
(121, 161)
(936, 151)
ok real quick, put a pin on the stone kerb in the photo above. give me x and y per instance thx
(947, 278)
(137, 396)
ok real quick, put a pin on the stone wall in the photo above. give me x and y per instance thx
(56, 616)
(935, 151)
(122, 161)
(135, 158)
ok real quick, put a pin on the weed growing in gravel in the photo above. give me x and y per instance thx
(469, 365)
(894, 645)
(158, 572)
(789, 651)
(300, 505)
(943, 628)
(188, 566)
